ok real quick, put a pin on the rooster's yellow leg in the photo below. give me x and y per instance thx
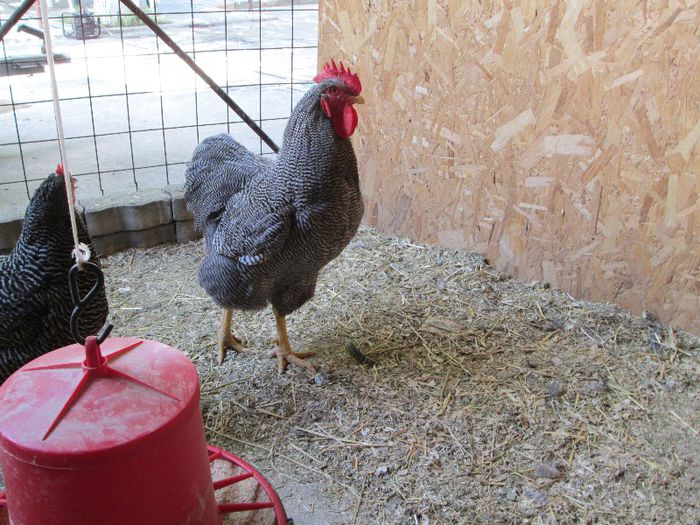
(284, 350)
(228, 341)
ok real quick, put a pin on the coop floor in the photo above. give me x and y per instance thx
(470, 397)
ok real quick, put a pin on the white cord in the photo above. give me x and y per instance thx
(81, 253)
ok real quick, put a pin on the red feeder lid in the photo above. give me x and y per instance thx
(78, 405)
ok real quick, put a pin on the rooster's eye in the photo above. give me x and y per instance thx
(332, 90)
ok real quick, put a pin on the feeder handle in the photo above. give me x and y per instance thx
(80, 304)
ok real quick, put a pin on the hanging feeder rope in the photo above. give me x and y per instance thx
(81, 253)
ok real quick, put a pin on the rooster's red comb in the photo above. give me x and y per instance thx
(59, 170)
(333, 71)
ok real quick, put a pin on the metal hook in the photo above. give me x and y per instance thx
(80, 304)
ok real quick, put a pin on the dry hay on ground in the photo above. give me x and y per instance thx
(469, 397)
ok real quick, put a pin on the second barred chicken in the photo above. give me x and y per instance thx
(35, 299)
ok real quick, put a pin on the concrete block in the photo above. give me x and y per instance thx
(185, 231)
(128, 212)
(116, 242)
(11, 221)
(177, 196)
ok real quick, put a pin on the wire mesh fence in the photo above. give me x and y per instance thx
(133, 111)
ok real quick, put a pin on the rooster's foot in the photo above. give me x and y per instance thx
(283, 350)
(230, 342)
(285, 356)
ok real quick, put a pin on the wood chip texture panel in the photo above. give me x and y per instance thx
(561, 139)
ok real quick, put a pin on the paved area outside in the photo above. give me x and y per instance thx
(128, 111)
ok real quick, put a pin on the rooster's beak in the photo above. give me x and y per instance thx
(357, 100)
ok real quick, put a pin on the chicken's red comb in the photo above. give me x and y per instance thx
(59, 170)
(332, 71)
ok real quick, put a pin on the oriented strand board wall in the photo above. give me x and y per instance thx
(561, 139)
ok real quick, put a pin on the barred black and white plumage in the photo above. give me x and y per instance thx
(35, 301)
(271, 225)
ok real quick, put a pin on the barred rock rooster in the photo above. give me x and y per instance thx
(35, 300)
(271, 225)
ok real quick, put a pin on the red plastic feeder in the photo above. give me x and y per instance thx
(112, 439)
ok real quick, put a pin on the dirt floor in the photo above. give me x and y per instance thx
(446, 393)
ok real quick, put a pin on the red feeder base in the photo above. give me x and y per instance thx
(274, 503)
(249, 472)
